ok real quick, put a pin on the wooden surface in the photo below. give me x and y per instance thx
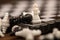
(8, 37)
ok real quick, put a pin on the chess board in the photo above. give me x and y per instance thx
(49, 12)
(49, 9)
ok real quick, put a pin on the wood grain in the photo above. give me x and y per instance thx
(8, 37)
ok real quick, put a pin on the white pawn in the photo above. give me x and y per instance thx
(35, 12)
(1, 34)
(49, 36)
(55, 30)
(5, 22)
(56, 33)
(42, 37)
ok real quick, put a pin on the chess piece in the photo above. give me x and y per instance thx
(28, 34)
(26, 18)
(5, 22)
(56, 33)
(35, 11)
(42, 37)
(49, 36)
(1, 34)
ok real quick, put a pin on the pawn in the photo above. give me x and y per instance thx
(1, 34)
(49, 36)
(35, 11)
(5, 22)
(56, 33)
(42, 37)
(55, 30)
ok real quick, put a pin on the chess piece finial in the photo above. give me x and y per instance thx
(5, 22)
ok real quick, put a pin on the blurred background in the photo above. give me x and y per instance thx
(49, 9)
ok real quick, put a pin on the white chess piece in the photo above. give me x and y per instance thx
(56, 33)
(42, 37)
(5, 22)
(1, 34)
(55, 30)
(35, 12)
(50, 36)
(28, 34)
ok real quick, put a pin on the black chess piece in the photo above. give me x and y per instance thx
(27, 18)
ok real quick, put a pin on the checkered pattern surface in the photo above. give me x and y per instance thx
(49, 12)
(49, 9)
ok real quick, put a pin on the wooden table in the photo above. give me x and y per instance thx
(8, 37)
